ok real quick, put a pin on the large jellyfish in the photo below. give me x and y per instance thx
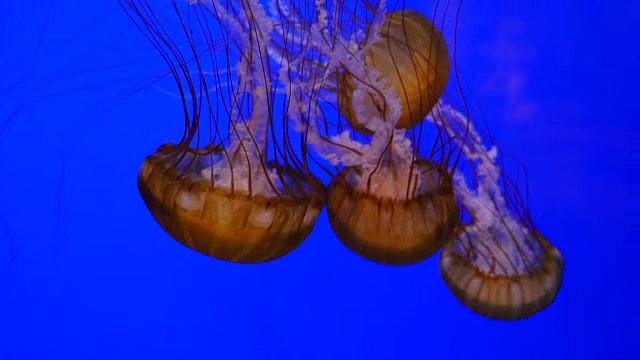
(233, 187)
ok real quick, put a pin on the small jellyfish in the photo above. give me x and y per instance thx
(388, 202)
(233, 188)
(499, 265)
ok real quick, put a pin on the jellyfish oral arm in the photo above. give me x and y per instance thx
(253, 71)
(340, 55)
(494, 228)
(250, 29)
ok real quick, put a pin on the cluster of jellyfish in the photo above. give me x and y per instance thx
(274, 92)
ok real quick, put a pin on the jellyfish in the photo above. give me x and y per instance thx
(383, 73)
(412, 55)
(499, 264)
(397, 209)
(233, 187)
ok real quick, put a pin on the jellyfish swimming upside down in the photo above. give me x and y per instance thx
(226, 199)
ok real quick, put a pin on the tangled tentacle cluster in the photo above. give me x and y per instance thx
(302, 85)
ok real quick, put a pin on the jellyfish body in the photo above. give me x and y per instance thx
(499, 265)
(412, 56)
(225, 223)
(217, 191)
(516, 293)
(390, 229)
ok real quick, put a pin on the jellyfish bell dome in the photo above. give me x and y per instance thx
(411, 55)
(218, 211)
(497, 280)
(393, 216)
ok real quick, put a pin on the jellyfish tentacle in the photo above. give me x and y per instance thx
(246, 229)
(535, 290)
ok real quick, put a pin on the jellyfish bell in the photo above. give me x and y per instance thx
(387, 202)
(219, 193)
(499, 264)
(378, 218)
(493, 282)
(220, 218)
(411, 54)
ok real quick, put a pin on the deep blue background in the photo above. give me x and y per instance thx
(557, 82)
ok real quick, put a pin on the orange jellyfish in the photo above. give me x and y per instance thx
(412, 55)
(388, 202)
(399, 208)
(499, 265)
(233, 187)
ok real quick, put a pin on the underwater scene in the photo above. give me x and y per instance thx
(315, 179)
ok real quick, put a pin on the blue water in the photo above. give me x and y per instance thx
(85, 272)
